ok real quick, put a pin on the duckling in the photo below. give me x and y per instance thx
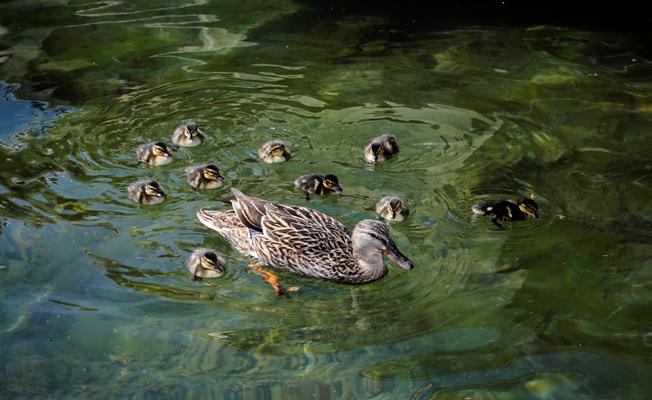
(274, 151)
(392, 208)
(204, 176)
(188, 135)
(507, 210)
(381, 148)
(146, 192)
(205, 263)
(318, 184)
(155, 153)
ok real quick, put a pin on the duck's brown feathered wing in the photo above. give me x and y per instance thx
(297, 239)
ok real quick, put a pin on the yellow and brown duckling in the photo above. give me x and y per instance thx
(318, 184)
(205, 263)
(146, 192)
(155, 153)
(274, 151)
(188, 135)
(380, 149)
(204, 176)
(507, 210)
(392, 208)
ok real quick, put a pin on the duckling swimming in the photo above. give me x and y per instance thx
(188, 135)
(205, 263)
(507, 210)
(155, 153)
(146, 192)
(204, 176)
(274, 151)
(318, 184)
(392, 208)
(381, 148)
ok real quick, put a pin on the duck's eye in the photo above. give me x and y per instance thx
(150, 190)
(277, 151)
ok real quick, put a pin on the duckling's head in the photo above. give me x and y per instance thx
(374, 152)
(392, 208)
(153, 189)
(371, 237)
(206, 264)
(160, 149)
(274, 151)
(528, 206)
(331, 182)
(191, 130)
(389, 143)
(381, 148)
(212, 173)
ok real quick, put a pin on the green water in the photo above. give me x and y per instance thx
(96, 301)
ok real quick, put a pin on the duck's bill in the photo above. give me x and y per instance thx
(338, 189)
(395, 255)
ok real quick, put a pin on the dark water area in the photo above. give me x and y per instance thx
(487, 100)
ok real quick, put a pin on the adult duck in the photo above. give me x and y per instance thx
(304, 241)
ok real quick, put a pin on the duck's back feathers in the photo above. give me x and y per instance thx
(296, 239)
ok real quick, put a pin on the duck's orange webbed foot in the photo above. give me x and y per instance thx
(269, 278)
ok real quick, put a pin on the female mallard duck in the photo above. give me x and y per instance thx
(318, 184)
(381, 148)
(188, 135)
(205, 176)
(146, 192)
(507, 210)
(156, 153)
(273, 152)
(205, 263)
(392, 208)
(305, 241)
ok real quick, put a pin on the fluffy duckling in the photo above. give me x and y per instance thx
(507, 210)
(318, 184)
(274, 151)
(155, 153)
(188, 135)
(146, 192)
(381, 148)
(204, 176)
(392, 208)
(205, 263)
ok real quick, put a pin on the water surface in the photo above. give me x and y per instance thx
(96, 301)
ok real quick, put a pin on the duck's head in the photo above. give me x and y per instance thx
(331, 182)
(212, 173)
(153, 189)
(389, 143)
(372, 237)
(392, 208)
(274, 151)
(528, 206)
(160, 149)
(374, 152)
(191, 130)
(206, 264)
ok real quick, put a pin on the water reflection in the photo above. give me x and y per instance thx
(545, 308)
